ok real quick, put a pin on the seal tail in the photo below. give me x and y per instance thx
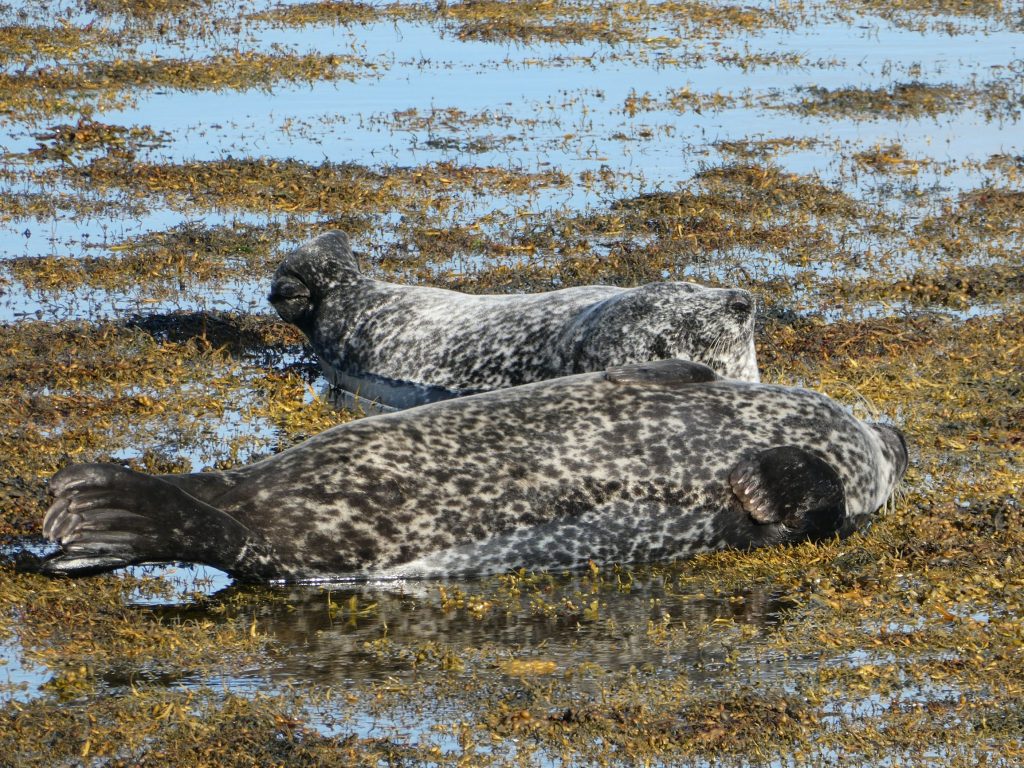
(106, 517)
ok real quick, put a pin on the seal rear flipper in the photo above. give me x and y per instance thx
(205, 486)
(62, 564)
(663, 373)
(798, 494)
(105, 517)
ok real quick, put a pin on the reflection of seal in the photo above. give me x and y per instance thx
(407, 345)
(645, 462)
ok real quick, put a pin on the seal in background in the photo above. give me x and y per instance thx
(400, 345)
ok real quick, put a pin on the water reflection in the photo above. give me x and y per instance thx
(348, 634)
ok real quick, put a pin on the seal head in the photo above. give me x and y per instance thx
(309, 274)
(658, 321)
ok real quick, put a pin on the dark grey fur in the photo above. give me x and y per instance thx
(406, 345)
(646, 462)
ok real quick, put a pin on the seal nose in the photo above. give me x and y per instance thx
(287, 287)
(741, 302)
(293, 301)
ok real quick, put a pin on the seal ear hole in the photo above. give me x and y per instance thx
(662, 373)
(792, 488)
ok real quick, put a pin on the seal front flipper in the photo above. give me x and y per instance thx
(798, 494)
(662, 372)
(105, 517)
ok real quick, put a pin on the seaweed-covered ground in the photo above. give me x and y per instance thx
(859, 165)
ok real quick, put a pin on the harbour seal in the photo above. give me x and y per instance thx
(401, 345)
(641, 463)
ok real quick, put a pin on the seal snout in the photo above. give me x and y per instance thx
(291, 298)
(286, 287)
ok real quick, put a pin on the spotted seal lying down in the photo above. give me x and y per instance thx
(404, 345)
(645, 462)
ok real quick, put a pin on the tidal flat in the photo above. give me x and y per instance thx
(858, 165)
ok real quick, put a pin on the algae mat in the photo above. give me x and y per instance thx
(858, 165)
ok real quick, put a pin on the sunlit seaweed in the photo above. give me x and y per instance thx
(609, 22)
(292, 186)
(946, 16)
(168, 259)
(68, 143)
(909, 100)
(890, 159)
(33, 42)
(100, 85)
(680, 100)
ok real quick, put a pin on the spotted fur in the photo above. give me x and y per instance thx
(644, 463)
(406, 345)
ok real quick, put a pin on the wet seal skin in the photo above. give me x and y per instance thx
(646, 462)
(401, 346)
